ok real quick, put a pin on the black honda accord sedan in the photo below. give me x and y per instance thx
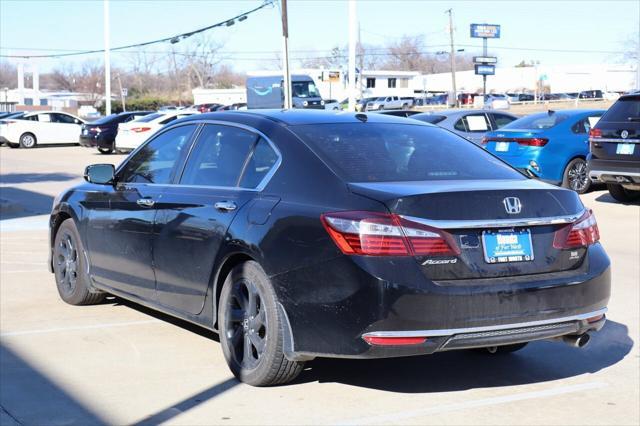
(303, 234)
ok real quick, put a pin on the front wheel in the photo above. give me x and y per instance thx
(576, 176)
(621, 194)
(105, 151)
(252, 328)
(70, 267)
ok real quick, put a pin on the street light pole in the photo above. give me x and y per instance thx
(452, 56)
(286, 81)
(107, 60)
(352, 54)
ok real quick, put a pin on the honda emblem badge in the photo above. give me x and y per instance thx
(624, 134)
(512, 205)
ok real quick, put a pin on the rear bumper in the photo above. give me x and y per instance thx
(614, 171)
(99, 141)
(332, 307)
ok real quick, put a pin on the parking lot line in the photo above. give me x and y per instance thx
(77, 328)
(405, 415)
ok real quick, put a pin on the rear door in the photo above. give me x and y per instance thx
(619, 137)
(223, 173)
(67, 127)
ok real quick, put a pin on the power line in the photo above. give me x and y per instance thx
(172, 39)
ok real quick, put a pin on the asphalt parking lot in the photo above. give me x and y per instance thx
(118, 363)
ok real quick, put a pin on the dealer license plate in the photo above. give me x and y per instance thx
(507, 245)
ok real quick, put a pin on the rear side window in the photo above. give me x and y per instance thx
(264, 159)
(376, 152)
(219, 157)
(623, 111)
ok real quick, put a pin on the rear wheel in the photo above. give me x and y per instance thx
(27, 140)
(621, 194)
(105, 151)
(13, 145)
(252, 328)
(70, 268)
(576, 176)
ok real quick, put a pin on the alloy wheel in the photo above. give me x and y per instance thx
(246, 324)
(67, 263)
(577, 176)
(28, 141)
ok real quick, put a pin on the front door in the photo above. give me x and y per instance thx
(120, 236)
(221, 176)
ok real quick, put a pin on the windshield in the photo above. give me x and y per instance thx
(537, 121)
(376, 152)
(148, 118)
(304, 89)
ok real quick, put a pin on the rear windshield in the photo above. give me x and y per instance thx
(148, 118)
(623, 111)
(376, 152)
(537, 121)
(105, 120)
(429, 118)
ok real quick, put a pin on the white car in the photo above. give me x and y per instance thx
(42, 127)
(496, 101)
(133, 133)
(332, 105)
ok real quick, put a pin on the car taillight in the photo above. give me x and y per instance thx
(140, 129)
(595, 133)
(532, 141)
(582, 233)
(381, 234)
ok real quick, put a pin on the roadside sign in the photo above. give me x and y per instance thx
(124, 91)
(333, 76)
(485, 59)
(482, 69)
(485, 31)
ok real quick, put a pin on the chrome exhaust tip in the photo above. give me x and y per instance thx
(577, 340)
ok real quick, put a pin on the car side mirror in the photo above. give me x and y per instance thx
(101, 174)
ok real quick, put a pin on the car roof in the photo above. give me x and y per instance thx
(460, 112)
(570, 112)
(293, 117)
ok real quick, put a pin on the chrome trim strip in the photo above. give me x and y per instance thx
(598, 173)
(466, 224)
(614, 140)
(452, 331)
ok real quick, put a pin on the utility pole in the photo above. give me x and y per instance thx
(107, 60)
(353, 29)
(452, 56)
(286, 81)
(124, 108)
(360, 60)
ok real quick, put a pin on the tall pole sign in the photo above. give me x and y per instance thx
(485, 64)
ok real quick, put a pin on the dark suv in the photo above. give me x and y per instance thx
(614, 156)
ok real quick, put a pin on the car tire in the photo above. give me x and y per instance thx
(621, 194)
(576, 176)
(252, 328)
(70, 267)
(501, 350)
(28, 140)
(105, 151)
(13, 145)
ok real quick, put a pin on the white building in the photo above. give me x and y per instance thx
(219, 96)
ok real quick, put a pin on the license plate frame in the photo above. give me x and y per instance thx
(625, 148)
(497, 252)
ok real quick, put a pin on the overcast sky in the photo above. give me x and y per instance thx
(553, 32)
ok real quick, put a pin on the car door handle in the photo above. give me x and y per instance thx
(145, 202)
(225, 206)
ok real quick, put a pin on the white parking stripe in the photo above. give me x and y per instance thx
(398, 417)
(76, 328)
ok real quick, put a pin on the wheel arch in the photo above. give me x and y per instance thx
(61, 213)
(229, 262)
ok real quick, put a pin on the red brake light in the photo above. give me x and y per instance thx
(140, 129)
(582, 233)
(394, 341)
(380, 234)
(532, 141)
(595, 133)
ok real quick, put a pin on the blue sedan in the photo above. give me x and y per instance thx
(551, 146)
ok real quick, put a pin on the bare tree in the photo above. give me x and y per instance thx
(8, 75)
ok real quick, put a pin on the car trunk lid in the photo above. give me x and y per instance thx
(513, 142)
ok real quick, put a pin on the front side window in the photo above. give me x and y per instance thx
(63, 118)
(219, 157)
(155, 161)
(377, 152)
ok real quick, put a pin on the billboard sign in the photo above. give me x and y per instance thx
(482, 69)
(485, 59)
(485, 31)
